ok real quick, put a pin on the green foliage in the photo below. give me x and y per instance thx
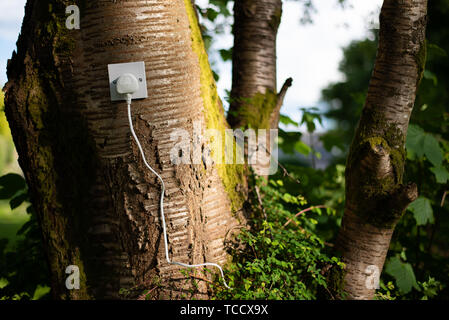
(420, 143)
(310, 116)
(423, 231)
(10, 185)
(422, 211)
(346, 99)
(277, 261)
(403, 274)
(23, 268)
(427, 290)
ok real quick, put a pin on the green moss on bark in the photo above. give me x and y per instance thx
(366, 188)
(421, 59)
(256, 111)
(232, 176)
(39, 87)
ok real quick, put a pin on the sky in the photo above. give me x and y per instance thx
(310, 54)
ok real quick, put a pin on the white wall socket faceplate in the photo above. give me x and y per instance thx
(135, 68)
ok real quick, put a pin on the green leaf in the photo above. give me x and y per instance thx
(415, 142)
(216, 75)
(441, 174)
(422, 211)
(287, 120)
(287, 140)
(419, 144)
(211, 14)
(436, 49)
(226, 55)
(403, 274)
(10, 184)
(18, 200)
(432, 150)
(302, 148)
(431, 76)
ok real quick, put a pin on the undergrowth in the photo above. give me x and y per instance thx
(274, 259)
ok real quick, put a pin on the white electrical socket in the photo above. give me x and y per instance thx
(135, 68)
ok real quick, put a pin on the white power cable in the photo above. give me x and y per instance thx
(164, 227)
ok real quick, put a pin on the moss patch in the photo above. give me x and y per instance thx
(35, 70)
(232, 176)
(257, 110)
(421, 59)
(367, 189)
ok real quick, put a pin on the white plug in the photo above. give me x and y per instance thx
(127, 84)
(129, 72)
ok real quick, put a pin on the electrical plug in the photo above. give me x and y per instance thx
(127, 84)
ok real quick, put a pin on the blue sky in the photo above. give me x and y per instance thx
(11, 15)
(310, 54)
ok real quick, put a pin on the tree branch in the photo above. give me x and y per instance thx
(275, 115)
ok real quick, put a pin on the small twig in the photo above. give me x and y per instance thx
(145, 295)
(284, 170)
(261, 204)
(444, 198)
(328, 244)
(281, 95)
(200, 278)
(436, 224)
(275, 114)
(264, 211)
(254, 251)
(303, 211)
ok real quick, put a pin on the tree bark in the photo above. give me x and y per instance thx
(97, 203)
(254, 102)
(375, 195)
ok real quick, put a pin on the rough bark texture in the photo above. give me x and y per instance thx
(97, 203)
(253, 94)
(375, 195)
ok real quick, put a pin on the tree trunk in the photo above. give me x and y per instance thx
(254, 102)
(97, 203)
(375, 195)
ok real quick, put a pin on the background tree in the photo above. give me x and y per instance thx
(375, 194)
(253, 100)
(418, 250)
